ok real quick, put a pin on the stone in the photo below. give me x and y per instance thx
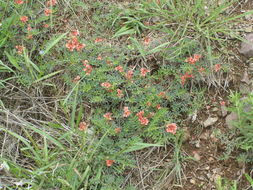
(245, 77)
(192, 181)
(247, 46)
(244, 88)
(210, 121)
(224, 111)
(230, 119)
(196, 156)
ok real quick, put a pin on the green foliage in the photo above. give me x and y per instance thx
(242, 107)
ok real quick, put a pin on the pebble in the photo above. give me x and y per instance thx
(230, 119)
(247, 47)
(210, 121)
(196, 156)
(192, 181)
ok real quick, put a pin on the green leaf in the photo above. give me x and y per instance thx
(52, 43)
(139, 146)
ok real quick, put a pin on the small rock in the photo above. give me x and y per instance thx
(245, 77)
(197, 144)
(249, 29)
(187, 134)
(244, 88)
(215, 109)
(232, 117)
(204, 136)
(192, 181)
(224, 111)
(207, 168)
(211, 159)
(196, 156)
(247, 47)
(210, 121)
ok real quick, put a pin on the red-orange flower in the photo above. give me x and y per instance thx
(19, 2)
(119, 68)
(119, 93)
(144, 71)
(184, 77)
(83, 126)
(29, 28)
(109, 162)
(99, 57)
(146, 41)
(144, 120)
(194, 59)
(126, 112)
(222, 103)
(24, 19)
(171, 128)
(108, 116)
(77, 78)
(51, 2)
(158, 106)
(87, 69)
(75, 33)
(149, 104)
(217, 67)
(129, 75)
(20, 49)
(161, 94)
(106, 85)
(140, 114)
(99, 40)
(46, 26)
(74, 44)
(47, 12)
(117, 130)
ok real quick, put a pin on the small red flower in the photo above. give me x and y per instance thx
(97, 40)
(149, 104)
(87, 69)
(129, 74)
(146, 41)
(99, 57)
(51, 2)
(161, 94)
(217, 67)
(184, 77)
(201, 69)
(194, 59)
(109, 162)
(19, 2)
(144, 120)
(108, 116)
(140, 114)
(158, 106)
(76, 79)
(106, 85)
(117, 130)
(46, 26)
(83, 126)
(29, 28)
(20, 49)
(47, 12)
(126, 112)
(74, 44)
(144, 71)
(171, 128)
(79, 46)
(75, 33)
(119, 68)
(119, 93)
(222, 103)
(24, 19)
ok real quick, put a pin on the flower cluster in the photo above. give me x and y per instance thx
(184, 77)
(87, 67)
(144, 71)
(192, 60)
(20, 49)
(171, 128)
(126, 112)
(108, 116)
(143, 120)
(73, 43)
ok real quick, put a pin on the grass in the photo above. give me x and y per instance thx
(94, 82)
